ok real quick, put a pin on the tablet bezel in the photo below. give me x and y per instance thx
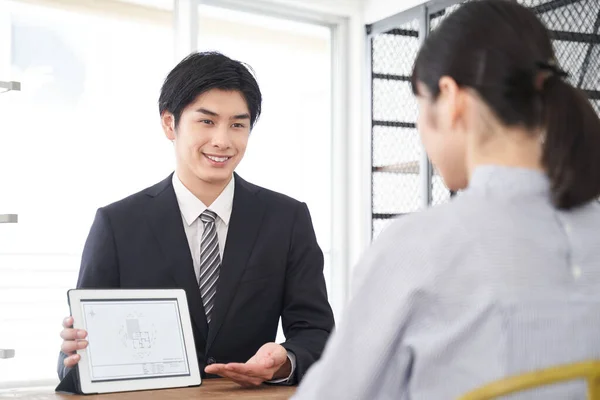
(75, 297)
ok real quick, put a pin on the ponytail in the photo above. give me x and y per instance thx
(571, 150)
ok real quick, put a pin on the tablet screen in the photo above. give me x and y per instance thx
(134, 339)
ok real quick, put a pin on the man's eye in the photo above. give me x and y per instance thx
(207, 121)
(236, 125)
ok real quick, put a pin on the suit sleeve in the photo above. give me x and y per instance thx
(307, 318)
(99, 267)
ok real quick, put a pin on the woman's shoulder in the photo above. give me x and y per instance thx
(437, 222)
(416, 245)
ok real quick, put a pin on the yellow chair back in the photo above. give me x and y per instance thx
(588, 370)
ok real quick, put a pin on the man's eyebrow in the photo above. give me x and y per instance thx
(214, 114)
(207, 112)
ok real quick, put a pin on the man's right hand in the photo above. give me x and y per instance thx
(73, 339)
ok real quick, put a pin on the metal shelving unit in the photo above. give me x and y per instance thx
(8, 86)
(9, 218)
(402, 178)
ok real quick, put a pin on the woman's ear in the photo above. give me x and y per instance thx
(451, 101)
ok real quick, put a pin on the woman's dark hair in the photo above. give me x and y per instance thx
(201, 72)
(502, 51)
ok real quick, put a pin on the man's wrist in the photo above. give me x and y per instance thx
(285, 374)
(285, 371)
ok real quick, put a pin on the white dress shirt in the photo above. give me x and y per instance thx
(191, 207)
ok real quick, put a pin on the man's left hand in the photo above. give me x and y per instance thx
(270, 362)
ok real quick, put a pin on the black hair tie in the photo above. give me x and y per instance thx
(552, 67)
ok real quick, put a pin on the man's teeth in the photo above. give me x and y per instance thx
(218, 159)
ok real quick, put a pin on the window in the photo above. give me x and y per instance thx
(83, 132)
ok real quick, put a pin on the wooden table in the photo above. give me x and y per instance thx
(214, 389)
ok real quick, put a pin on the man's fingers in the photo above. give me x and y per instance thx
(72, 334)
(68, 322)
(241, 379)
(71, 361)
(251, 370)
(214, 369)
(68, 334)
(70, 346)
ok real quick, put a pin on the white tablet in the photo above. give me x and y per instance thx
(138, 339)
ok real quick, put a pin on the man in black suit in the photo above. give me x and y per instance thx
(245, 260)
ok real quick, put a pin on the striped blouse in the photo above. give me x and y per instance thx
(495, 283)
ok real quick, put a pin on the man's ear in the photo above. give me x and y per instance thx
(168, 125)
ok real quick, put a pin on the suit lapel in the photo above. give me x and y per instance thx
(244, 225)
(165, 218)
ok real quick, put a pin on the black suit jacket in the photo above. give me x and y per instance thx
(272, 267)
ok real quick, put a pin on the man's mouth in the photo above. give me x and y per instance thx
(218, 159)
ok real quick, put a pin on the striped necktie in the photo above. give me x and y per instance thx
(210, 262)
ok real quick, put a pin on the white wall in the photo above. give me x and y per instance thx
(375, 10)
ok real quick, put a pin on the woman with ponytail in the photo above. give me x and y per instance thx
(504, 279)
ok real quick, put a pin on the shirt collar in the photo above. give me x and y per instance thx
(509, 180)
(191, 207)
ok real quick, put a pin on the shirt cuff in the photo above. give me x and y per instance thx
(289, 380)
